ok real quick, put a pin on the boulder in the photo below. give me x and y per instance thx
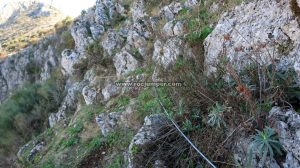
(112, 42)
(287, 123)
(89, 95)
(69, 58)
(167, 53)
(109, 122)
(69, 104)
(138, 10)
(124, 63)
(145, 138)
(109, 91)
(260, 32)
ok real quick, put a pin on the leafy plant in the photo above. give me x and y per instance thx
(70, 141)
(216, 115)
(95, 142)
(265, 142)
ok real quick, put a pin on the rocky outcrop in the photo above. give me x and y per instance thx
(89, 95)
(33, 148)
(124, 63)
(256, 32)
(32, 64)
(109, 122)
(144, 139)
(69, 58)
(69, 104)
(287, 125)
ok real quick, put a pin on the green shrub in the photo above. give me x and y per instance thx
(94, 53)
(80, 68)
(25, 113)
(73, 140)
(76, 129)
(95, 142)
(33, 68)
(265, 142)
(215, 117)
(67, 39)
(198, 36)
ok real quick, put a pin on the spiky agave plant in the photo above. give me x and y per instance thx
(215, 117)
(265, 142)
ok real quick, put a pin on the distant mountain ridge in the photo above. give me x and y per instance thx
(11, 9)
(22, 22)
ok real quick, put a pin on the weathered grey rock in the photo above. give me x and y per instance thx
(89, 95)
(69, 104)
(138, 10)
(287, 123)
(33, 147)
(251, 32)
(18, 68)
(137, 37)
(100, 13)
(173, 29)
(80, 34)
(69, 58)
(109, 122)
(97, 30)
(168, 29)
(145, 137)
(290, 161)
(179, 29)
(112, 42)
(109, 91)
(170, 11)
(124, 63)
(49, 64)
(166, 54)
(191, 3)
(39, 146)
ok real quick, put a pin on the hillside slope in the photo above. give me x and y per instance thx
(23, 23)
(132, 83)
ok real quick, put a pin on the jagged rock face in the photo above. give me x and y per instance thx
(125, 63)
(32, 64)
(145, 138)
(263, 31)
(36, 146)
(109, 122)
(69, 58)
(167, 53)
(89, 95)
(69, 103)
(138, 10)
(112, 42)
(170, 11)
(80, 33)
(109, 91)
(287, 125)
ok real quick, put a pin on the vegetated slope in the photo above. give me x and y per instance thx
(23, 23)
(232, 98)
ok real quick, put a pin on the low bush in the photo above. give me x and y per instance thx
(25, 113)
